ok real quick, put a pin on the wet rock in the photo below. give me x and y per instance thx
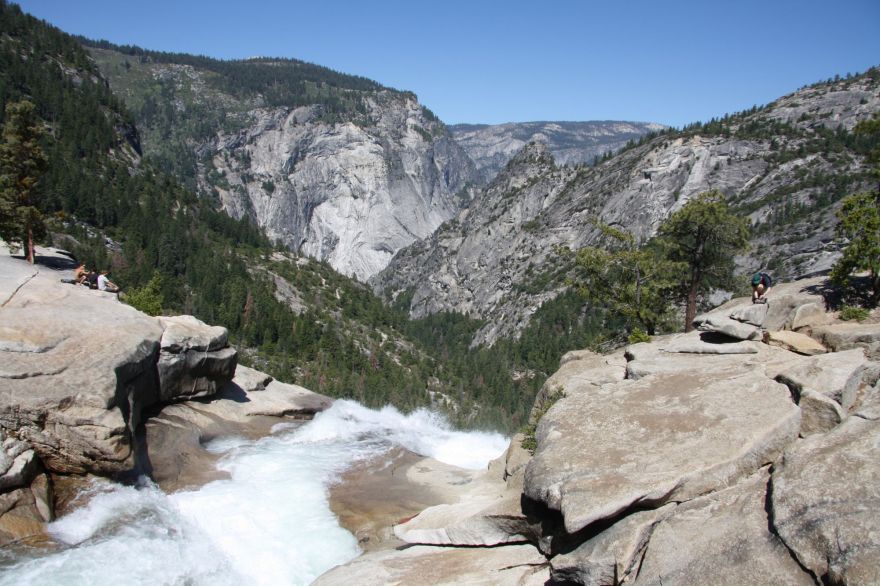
(174, 438)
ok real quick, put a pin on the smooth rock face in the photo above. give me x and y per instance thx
(580, 373)
(513, 565)
(671, 355)
(350, 194)
(809, 315)
(825, 497)
(721, 538)
(668, 437)
(71, 399)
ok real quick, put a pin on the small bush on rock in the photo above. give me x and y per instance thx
(850, 312)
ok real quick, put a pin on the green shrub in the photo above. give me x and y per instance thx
(529, 442)
(637, 336)
(851, 312)
(148, 298)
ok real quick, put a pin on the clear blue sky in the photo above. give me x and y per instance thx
(511, 61)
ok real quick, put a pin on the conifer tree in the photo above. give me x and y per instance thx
(705, 235)
(21, 163)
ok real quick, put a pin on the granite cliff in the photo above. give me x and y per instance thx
(333, 166)
(786, 166)
(492, 146)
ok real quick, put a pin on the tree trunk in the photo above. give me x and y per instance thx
(30, 243)
(690, 311)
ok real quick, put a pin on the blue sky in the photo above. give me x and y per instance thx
(511, 61)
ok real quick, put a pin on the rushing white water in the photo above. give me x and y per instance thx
(270, 523)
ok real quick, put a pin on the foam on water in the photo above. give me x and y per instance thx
(270, 523)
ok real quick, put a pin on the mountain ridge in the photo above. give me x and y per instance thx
(785, 165)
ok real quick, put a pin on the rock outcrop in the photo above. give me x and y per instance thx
(492, 146)
(81, 372)
(692, 459)
(691, 470)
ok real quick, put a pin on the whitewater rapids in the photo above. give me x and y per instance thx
(270, 523)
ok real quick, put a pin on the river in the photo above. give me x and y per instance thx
(269, 523)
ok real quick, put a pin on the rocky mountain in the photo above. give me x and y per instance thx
(785, 166)
(492, 146)
(333, 166)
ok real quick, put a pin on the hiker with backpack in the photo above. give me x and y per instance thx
(761, 284)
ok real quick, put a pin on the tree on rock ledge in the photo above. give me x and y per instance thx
(705, 235)
(21, 163)
(859, 225)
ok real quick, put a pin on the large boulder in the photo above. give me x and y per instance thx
(789, 306)
(702, 352)
(795, 342)
(845, 336)
(817, 384)
(668, 437)
(861, 394)
(721, 538)
(825, 500)
(77, 367)
(613, 556)
(195, 359)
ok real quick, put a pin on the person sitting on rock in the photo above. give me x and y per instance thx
(761, 284)
(105, 284)
(91, 279)
(80, 273)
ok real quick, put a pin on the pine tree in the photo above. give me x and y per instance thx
(705, 235)
(21, 163)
